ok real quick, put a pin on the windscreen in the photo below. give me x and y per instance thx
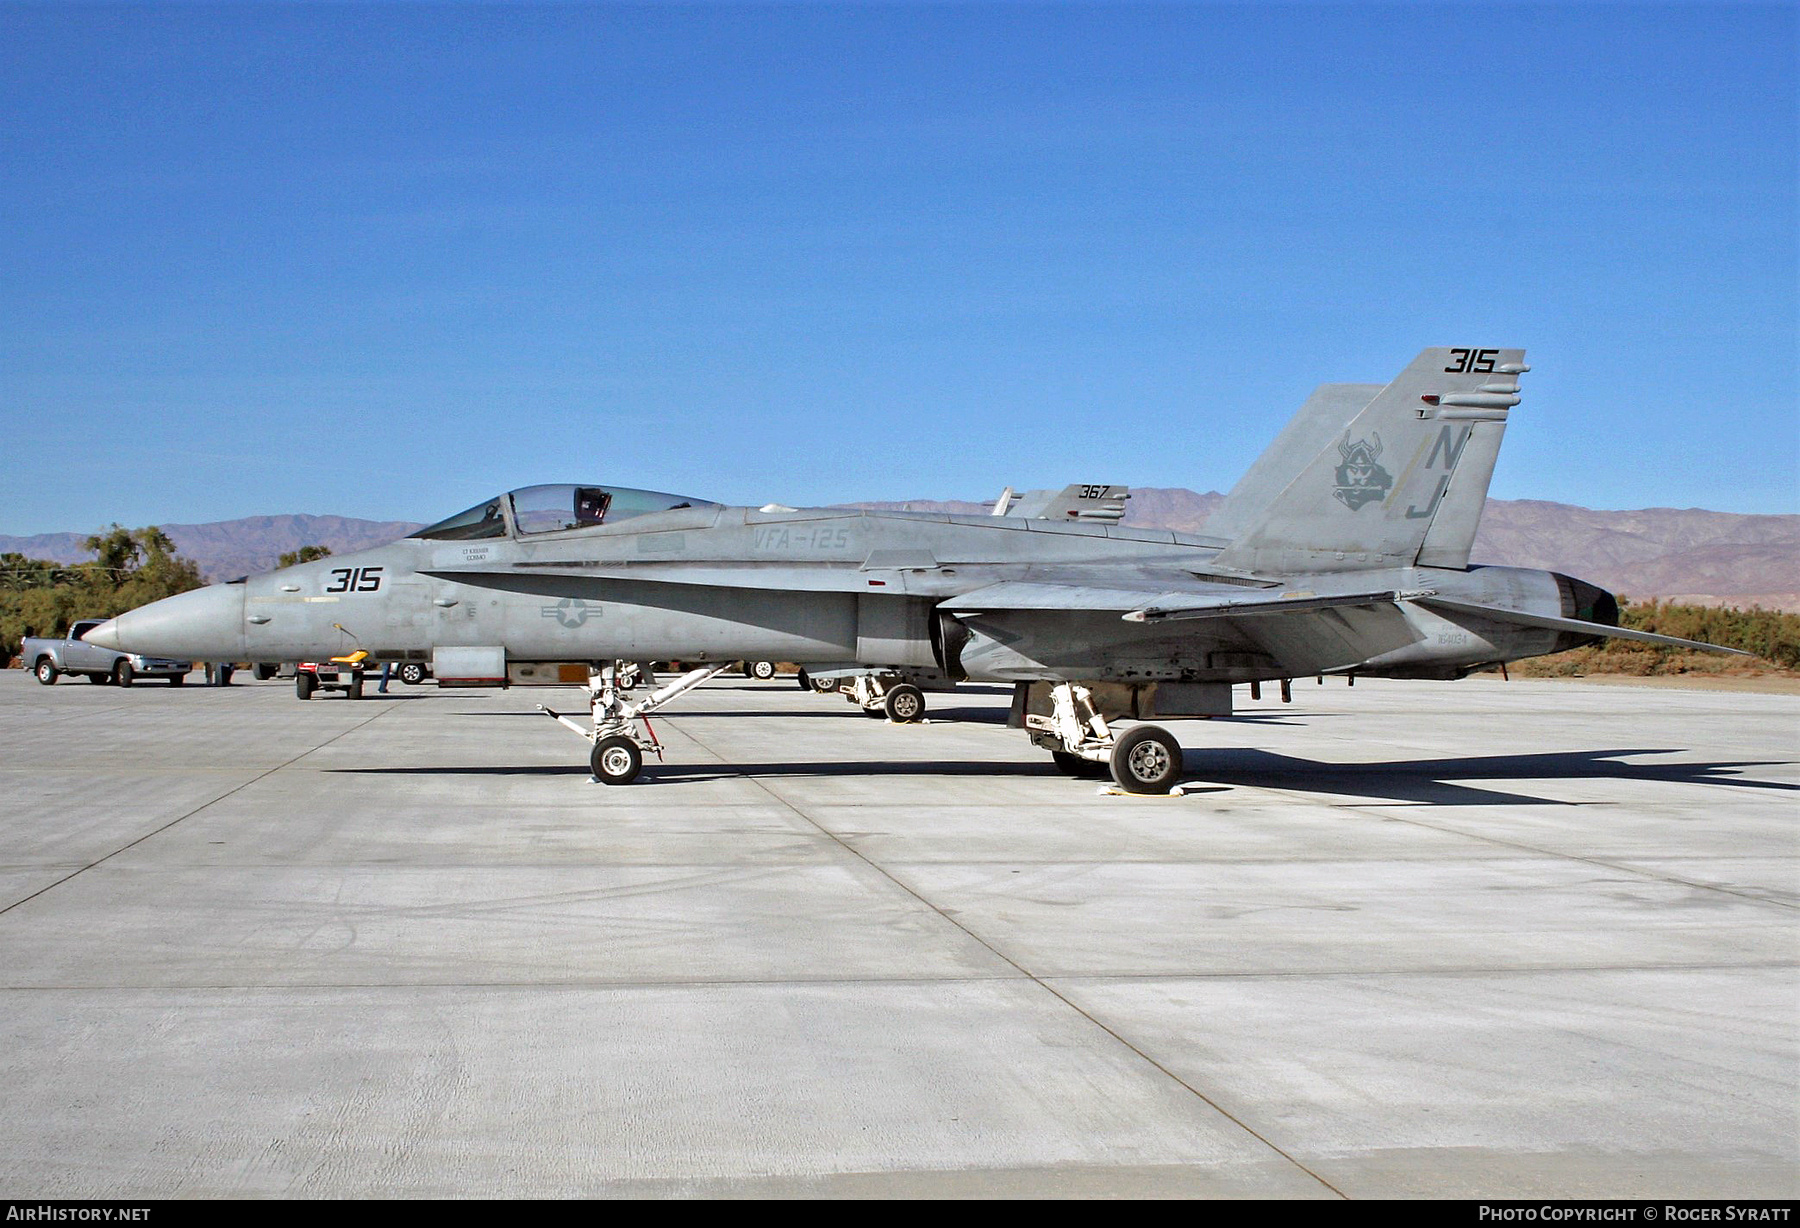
(482, 520)
(547, 509)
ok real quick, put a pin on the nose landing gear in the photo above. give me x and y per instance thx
(618, 747)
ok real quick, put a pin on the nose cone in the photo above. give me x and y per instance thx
(206, 624)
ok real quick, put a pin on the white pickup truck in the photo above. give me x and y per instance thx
(50, 659)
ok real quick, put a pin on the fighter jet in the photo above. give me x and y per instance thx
(1343, 550)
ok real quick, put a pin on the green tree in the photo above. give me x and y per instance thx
(130, 568)
(304, 554)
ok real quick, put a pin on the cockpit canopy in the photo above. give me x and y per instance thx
(550, 509)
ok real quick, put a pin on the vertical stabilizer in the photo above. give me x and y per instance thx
(1378, 491)
(1102, 503)
(1321, 419)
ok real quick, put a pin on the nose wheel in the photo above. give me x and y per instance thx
(621, 732)
(616, 760)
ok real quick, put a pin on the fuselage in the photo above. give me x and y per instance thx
(831, 587)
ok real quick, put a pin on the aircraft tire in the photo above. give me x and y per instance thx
(616, 760)
(762, 671)
(123, 674)
(45, 671)
(1146, 760)
(803, 680)
(823, 686)
(412, 673)
(1075, 765)
(904, 704)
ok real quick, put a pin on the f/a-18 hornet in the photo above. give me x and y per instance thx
(1343, 550)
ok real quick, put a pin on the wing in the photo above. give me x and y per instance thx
(1155, 605)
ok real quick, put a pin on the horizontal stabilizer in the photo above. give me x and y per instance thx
(1287, 603)
(1576, 625)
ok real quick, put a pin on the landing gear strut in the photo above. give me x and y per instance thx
(618, 746)
(1144, 759)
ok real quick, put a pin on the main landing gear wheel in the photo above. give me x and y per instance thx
(412, 673)
(823, 686)
(616, 760)
(904, 704)
(762, 671)
(1146, 760)
(1075, 765)
(804, 680)
(123, 674)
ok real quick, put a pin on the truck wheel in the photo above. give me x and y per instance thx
(123, 674)
(412, 673)
(904, 704)
(616, 760)
(45, 670)
(305, 683)
(1146, 760)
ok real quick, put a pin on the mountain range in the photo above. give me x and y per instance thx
(1711, 558)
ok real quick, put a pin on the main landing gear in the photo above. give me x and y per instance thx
(1143, 759)
(618, 746)
(879, 696)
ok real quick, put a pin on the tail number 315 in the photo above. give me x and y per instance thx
(355, 580)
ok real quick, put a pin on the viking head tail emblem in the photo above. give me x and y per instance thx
(1360, 479)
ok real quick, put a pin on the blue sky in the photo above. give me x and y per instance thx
(382, 261)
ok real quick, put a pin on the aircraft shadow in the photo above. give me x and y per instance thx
(1440, 782)
(1427, 782)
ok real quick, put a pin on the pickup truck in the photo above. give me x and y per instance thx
(50, 659)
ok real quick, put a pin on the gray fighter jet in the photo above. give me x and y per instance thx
(1344, 550)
